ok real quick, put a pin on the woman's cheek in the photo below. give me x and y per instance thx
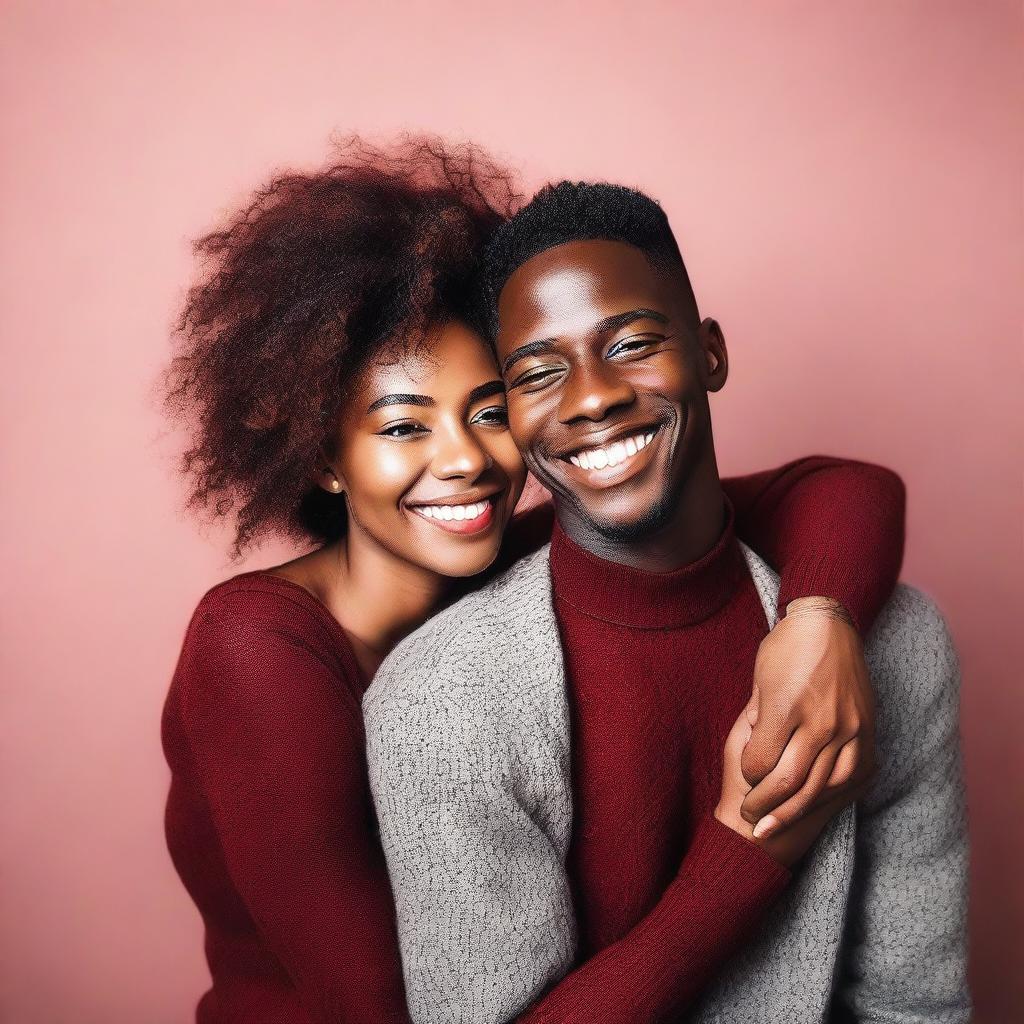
(380, 471)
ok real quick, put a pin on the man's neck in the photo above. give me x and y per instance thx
(689, 533)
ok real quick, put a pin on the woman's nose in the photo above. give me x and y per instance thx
(459, 454)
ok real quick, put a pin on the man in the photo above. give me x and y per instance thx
(516, 853)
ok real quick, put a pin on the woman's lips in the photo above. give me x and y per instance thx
(476, 516)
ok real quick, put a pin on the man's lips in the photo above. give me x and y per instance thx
(621, 456)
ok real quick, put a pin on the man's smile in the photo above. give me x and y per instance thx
(617, 459)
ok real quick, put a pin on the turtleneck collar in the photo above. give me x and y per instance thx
(625, 596)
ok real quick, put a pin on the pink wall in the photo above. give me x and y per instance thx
(844, 179)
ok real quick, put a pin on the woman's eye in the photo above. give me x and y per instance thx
(495, 414)
(401, 430)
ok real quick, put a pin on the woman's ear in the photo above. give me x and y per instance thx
(327, 476)
(329, 480)
(715, 357)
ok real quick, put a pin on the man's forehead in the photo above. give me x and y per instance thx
(578, 282)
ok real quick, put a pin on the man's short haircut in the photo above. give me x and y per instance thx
(576, 211)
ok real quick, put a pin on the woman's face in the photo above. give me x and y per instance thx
(425, 458)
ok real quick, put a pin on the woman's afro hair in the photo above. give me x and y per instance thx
(317, 273)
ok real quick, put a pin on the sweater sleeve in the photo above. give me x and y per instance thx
(830, 527)
(277, 744)
(724, 887)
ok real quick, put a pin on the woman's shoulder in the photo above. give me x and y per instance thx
(256, 613)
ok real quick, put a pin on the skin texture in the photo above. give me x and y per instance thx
(597, 345)
(427, 429)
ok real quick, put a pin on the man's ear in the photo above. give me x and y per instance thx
(714, 356)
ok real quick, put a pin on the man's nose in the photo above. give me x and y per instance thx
(459, 454)
(592, 391)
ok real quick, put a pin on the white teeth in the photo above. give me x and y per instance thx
(453, 512)
(599, 458)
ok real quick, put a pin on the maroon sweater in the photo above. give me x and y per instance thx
(269, 818)
(658, 668)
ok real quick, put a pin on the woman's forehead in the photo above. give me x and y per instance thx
(451, 360)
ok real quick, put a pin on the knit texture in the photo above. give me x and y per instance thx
(659, 667)
(269, 820)
(468, 731)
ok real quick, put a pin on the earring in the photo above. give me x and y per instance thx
(335, 483)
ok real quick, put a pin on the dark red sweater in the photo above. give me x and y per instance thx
(269, 820)
(658, 668)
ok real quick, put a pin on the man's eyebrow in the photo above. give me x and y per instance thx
(492, 387)
(620, 320)
(530, 349)
(399, 400)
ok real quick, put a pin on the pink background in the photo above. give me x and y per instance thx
(844, 179)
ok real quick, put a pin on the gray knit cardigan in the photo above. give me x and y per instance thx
(468, 739)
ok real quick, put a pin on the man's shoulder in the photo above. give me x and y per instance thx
(910, 648)
(916, 677)
(474, 643)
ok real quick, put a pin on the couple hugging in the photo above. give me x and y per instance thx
(459, 763)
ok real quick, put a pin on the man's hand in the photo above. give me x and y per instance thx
(812, 714)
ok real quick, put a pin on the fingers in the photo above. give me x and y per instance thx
(772, 732)
(813, 793)
(792, 772)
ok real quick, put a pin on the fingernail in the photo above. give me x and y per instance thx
(768, 824)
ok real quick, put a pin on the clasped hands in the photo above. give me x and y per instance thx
(804, 746)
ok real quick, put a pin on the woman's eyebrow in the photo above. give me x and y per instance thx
(400, 400)
(492, 387)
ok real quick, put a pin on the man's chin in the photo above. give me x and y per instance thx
(628, 526)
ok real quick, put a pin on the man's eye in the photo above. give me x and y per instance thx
(495, 414)
(401, 430)
(638, 343)
(534, 377)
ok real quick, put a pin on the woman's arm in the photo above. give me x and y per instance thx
(278, 748)
(830, 527)
(834, 530)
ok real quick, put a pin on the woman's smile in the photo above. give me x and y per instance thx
(472, 518)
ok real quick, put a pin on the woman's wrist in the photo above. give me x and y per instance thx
(820, 605)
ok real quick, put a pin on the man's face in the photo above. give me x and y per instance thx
(607, 379)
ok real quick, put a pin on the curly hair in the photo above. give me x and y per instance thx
(575, 211)
(316, 274)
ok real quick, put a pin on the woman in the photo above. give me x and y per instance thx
(338, 392)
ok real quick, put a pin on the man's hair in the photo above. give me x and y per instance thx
(576, 211)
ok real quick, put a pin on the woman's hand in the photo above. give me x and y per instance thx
(786, 845)
(813, 716)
